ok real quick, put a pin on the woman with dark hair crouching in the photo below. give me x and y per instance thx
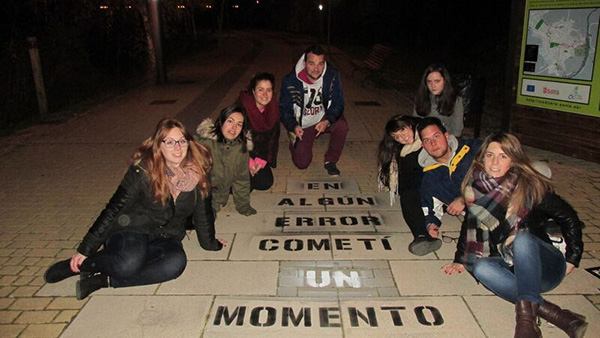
(401, 174)
(229, 143)
(437, 97)
(509, 204)
(263, 117)
(143, 224)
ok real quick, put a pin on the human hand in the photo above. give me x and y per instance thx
(321, 126)
(433, 230)
(254, 169)
(76, 260)
(570, 268)
(456, 207)
(451, 268)
(299, 132)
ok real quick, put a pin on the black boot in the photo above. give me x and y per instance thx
(527, 326)
(87, 285)
(572, 323)
(59, 271)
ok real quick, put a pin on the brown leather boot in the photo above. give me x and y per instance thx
(572, 323)
(526, 320)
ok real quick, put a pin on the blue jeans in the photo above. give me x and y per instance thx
(538, 267)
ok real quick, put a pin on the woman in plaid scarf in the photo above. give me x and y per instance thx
(509, 204)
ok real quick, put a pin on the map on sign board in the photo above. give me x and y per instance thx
(559, 66)
(561, 43)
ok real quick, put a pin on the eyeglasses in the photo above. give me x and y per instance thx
(449, 239)
(170, 143)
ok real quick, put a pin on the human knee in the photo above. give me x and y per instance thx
(523, 241)
(481, 269)
(127, 265)
(175, 264)
(341, 126)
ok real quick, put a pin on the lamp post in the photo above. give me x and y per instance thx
(161, 71)
(328, 25)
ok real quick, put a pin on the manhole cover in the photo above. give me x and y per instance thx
(157, 102)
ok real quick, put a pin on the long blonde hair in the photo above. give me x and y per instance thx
(530, 186)
(150, 155)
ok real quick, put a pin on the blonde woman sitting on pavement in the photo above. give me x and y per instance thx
(509, 205)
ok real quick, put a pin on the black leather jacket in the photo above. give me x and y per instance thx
(536, 222)
(132, 208)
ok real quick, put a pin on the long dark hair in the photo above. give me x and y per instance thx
(225, 113)
(389, 149)
(445, 101)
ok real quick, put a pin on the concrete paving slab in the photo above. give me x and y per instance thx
(409, 317)
(451, 223)
(285, 202)
(392, 221)
(66, 288)
(267, 247)
(420, 278)
(497, 316)
(194, 252)
(580, 281)
(233, 222)
(335, 278)
(322, 185)
(141, 316)
(349, 221)
(370, 246)
(341, 202)
(446, 252)
(268, 317)
(224, 278)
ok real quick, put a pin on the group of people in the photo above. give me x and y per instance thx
(177, 180)
(507, 203)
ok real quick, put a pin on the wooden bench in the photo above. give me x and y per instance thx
(374, 62)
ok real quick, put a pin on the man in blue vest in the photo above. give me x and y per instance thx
(445, 160)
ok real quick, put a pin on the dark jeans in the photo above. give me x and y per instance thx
(302, 151)
(262, 180)
(131, 259)
(538, 267)
(410, 201)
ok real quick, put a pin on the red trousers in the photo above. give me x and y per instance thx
(302, 151)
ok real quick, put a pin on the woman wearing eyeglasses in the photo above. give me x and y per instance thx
(228, 141)
(143, 224)
(509, 204)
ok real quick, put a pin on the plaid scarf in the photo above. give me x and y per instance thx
(488, 217)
